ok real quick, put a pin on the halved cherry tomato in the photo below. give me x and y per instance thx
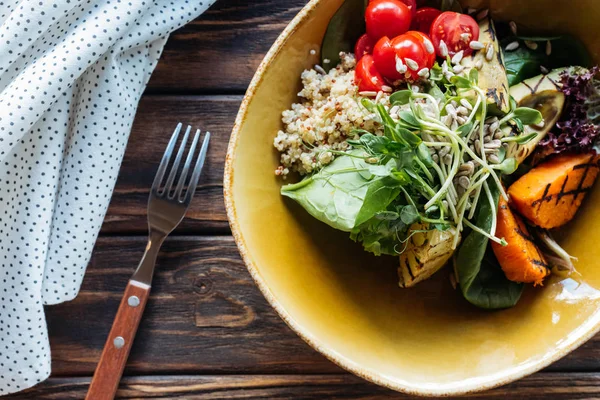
(387, 18)
(427, 45)
(364, 45)
(384, 56)
(366, 76)
(456, 30)
(387, 53)
(424, 18)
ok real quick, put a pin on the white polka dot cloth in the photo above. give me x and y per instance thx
(71, 75)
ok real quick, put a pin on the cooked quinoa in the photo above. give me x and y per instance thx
(326, 116)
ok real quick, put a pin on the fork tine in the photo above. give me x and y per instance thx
(175, 166)
(197, 169)
(186, 166)
(160, 174)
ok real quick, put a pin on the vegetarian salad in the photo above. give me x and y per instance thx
(440, 136)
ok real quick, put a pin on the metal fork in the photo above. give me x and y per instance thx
(167, 206)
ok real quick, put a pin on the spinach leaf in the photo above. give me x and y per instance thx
(481, 279)
(522, 64)
(344, 192)
(525, 63)
(380, 194)
(380, 236)
(567, 51)
(344, 29)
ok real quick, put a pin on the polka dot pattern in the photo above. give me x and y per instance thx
(71, 75)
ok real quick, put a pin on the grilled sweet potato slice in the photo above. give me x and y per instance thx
(521, 260)
(550, 194)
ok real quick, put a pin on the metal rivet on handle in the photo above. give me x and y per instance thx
(133, 301)
(119, 342)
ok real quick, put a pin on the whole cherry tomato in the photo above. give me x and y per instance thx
(402, 57)
(387, 18)
(424, 18)
(366, 76)
(427, 44)
(412, 6)
(364, 45)
(456, 30)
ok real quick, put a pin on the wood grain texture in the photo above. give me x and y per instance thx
(220, 51)
(114, 356)
(155, 121)
(205, 315)
(555, 386)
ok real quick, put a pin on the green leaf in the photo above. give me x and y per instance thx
(523, 64)
(436, 92)
(513, 104)
(508, 166)
(409, 119)
(521, 139)
(373, 144)
(519, 124)
(435, 73)
(401, 97)
(528, 116)
(480, 277)
(569, 50)
(336, 194)
(474, 76)
(388, 123)
(380, 236)
(461, 82)
(387, 216)
(465, 129)
(408, 137)
(380, 194)
(424, 155)
(344, 29)
(368, 104)
(409, 214)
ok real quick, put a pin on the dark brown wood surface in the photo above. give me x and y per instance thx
(207, 332)
(543, 386)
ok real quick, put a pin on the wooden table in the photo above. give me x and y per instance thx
(208, 332)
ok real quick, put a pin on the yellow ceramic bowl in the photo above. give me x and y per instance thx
(346, 303)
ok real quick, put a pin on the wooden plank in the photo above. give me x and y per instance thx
(554, 386)
(156, 118)
(220, 51)
(205, 315)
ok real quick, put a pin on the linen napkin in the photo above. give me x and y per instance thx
(71, 75)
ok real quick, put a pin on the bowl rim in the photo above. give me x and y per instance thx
(512, 374)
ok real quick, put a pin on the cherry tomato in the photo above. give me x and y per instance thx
(456, 30)
(387, 18)
(364, 45)
(427, 45)
(424, 18)
(366, 76)
(408, 46)
(384, 56)
(412, 6)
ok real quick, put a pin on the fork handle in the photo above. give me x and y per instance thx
(116, 350)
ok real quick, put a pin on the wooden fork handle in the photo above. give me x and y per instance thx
(116, 350)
